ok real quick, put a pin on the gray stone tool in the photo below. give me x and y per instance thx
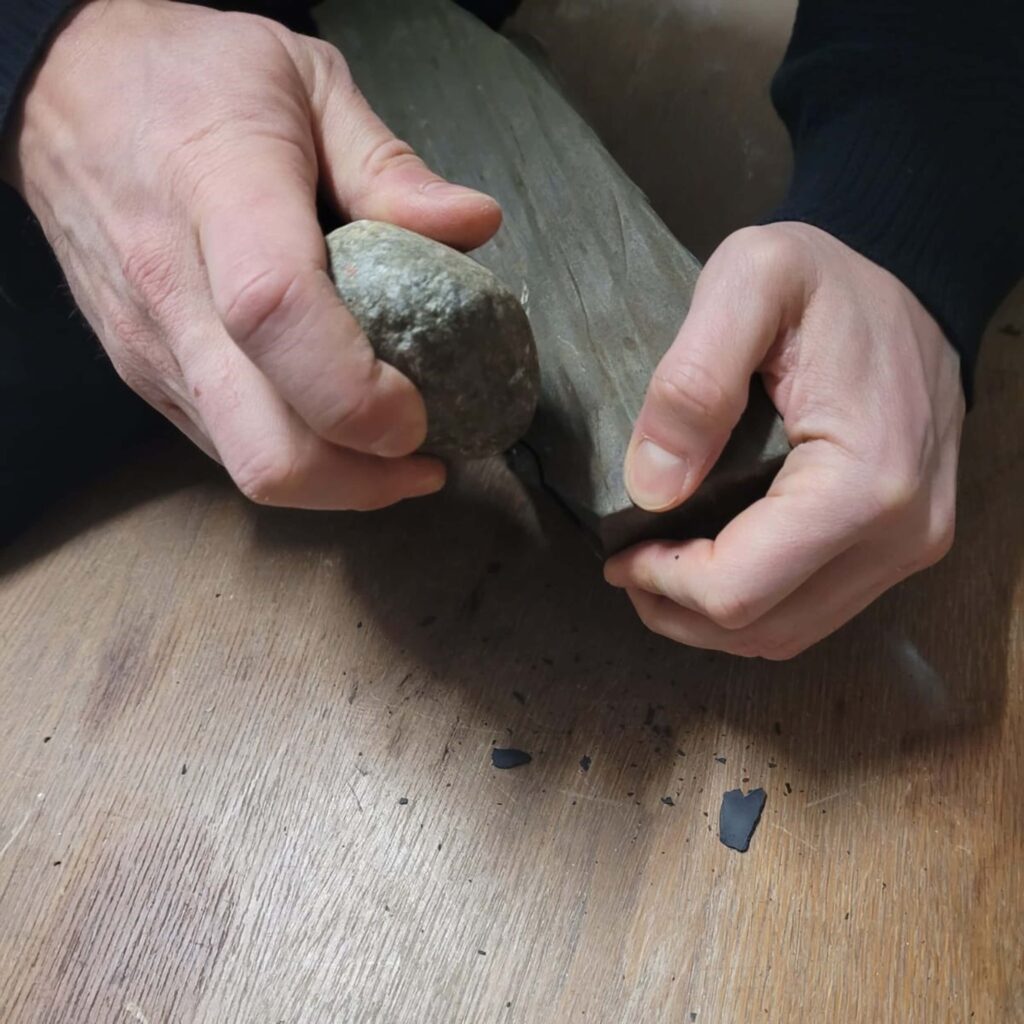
(604, 282)
(450, 326)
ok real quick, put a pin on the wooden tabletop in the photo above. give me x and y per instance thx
(245, 763)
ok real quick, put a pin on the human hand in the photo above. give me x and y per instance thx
(870, 393)
(172, 154)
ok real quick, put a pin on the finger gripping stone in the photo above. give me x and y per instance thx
(450, 326)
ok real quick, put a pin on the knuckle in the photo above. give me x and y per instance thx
(693, 391)
(729, 609)
(385, 155)
(151, 273)
(257, 28)
(130, 332)
(741, 242)
(261, 37)
(940, 540)
(330, 61)
(765, 250)
(773, 249)
(252, 299)
(267, 477)
(336, 422)
(324, 71)
(139, 354)
(896, 490)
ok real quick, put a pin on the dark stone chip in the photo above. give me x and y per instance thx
(585, 762)
(509, 757)
(668, 801)
(739, 817)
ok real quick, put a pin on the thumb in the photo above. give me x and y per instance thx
(744, 298)
(369, 173)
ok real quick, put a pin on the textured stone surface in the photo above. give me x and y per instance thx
(450, 326)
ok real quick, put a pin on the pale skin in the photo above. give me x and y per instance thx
(870, 394)
(177, 186)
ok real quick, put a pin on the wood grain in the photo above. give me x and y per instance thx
(605, 283)
(211, 713)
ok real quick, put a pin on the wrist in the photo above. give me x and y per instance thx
(33, 119)
(31, 30)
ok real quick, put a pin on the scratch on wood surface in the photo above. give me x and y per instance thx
(826, 799)
(844, 792)
(793, 835)
(612, 801)
(356, 795)
(17, 830)
(508, 796)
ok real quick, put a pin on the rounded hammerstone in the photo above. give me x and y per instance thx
(450, 326)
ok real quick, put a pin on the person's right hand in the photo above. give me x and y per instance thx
(172, 154)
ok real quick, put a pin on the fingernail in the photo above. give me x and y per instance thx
(431, 478)
(655, 478)
(613, 574)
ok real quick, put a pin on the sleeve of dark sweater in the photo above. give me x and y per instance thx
(26, 27)
(907, 123)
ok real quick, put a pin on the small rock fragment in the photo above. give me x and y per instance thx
(403, 800)
(585, 763)
(450, 326)
(668, 801)
(509, 757)
(739, 816)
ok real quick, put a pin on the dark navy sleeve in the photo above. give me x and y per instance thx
(907, 124)
(28, 26)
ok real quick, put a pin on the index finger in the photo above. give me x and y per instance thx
(267, 266)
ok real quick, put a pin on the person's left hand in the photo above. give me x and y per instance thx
(870, 392)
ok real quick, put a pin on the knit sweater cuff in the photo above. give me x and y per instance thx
(921, 174)
(28, 26)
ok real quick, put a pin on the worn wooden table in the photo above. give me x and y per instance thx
(245, 771)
